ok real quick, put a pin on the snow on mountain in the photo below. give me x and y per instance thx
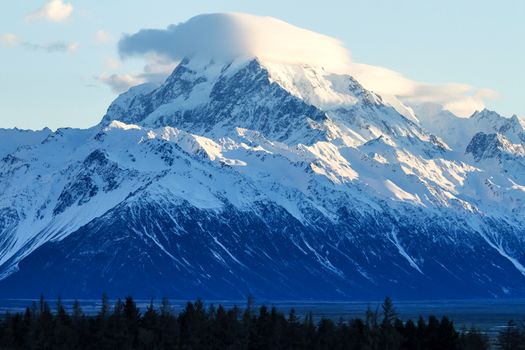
(11, 139)
(457, 132)
(487, 146)
(254, 175)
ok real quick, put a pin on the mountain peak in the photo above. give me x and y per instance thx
(215, 98)
(484, 114)
(288, 102)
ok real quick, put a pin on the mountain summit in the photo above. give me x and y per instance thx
(277, 178)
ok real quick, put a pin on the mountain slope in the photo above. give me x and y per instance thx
(11, 139)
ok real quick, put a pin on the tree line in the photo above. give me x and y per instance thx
(197, 326)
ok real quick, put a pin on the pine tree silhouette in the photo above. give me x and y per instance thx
(201, 327)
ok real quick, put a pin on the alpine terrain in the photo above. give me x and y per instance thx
(251, 175)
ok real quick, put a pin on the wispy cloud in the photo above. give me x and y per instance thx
(9, 39)
(56, 46)
(155, 71)
(13, 40)
(461, 99)
(112, 63)
(120, 82)
(52, 10)
(103, 37)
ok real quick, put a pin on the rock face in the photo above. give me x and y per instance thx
(489, 146)
(283, 181)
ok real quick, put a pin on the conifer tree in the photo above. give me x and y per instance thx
(473, 339)
(168, 326)
(104, 307)
(511, 338)
(198, 327)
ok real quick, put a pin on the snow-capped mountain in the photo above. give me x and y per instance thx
(278, 179)
(457, 132)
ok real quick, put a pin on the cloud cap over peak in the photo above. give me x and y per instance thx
(227, 35)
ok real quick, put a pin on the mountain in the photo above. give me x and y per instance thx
(283, 180)
(458, 132)
(13, 138)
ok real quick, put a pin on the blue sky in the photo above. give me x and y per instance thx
(54, 62)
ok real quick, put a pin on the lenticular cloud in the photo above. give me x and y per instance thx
(223, 36)
(230, 35)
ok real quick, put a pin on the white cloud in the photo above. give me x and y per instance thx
(112, 63)
(55, 46)
(158, 68)
(53, 10)
(102, 37)
(73, 47)
(222, 36)
(461, 99)
(120, 82)
(9, 39)
(155, 71)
